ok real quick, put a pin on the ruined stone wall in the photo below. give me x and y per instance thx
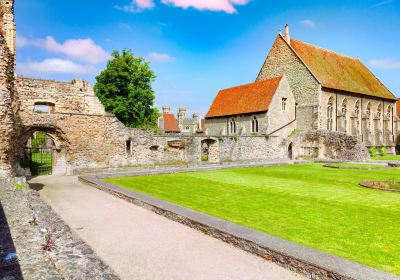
(322, 144)
(306, 89)
(8, 96)
(75, 97)
(251, 148)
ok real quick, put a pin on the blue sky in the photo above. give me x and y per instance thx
(197, 47)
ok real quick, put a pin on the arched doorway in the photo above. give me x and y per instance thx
(42, 151)
(38, 154)
(290, 151)
(209, 150)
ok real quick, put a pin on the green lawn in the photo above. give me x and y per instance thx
(389, 157)
(348, 165)
(319, 207)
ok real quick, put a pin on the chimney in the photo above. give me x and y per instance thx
(287, 36)
(166, 109)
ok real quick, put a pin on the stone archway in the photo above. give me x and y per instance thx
(55, 145)
(209, 150)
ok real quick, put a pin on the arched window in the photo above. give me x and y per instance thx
(389, 112)
(357, 112)
(344, 113)
(330, 114)
(369, 115)
(379, 111)
(254, 125)
(231, 126)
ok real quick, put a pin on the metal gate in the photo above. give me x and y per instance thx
(39, 154)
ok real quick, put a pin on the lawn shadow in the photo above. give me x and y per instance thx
(8, 269)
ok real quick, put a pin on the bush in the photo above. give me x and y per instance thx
(372, 151)
(382, 151)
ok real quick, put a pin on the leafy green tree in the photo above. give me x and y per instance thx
(124, 88)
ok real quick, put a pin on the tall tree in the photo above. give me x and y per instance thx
(124, 88)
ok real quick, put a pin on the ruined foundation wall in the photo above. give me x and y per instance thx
(329, 145)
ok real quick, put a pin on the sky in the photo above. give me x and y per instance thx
(197, 47)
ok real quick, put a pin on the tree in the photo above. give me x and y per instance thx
(124, 88)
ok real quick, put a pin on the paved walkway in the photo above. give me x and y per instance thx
(139, 244)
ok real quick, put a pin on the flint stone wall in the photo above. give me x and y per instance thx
(324, 144)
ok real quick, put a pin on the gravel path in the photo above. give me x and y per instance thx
(139, 244)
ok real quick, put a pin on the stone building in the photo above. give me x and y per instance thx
(262, 108)
(334, 92)
(188, 125)
(181, 124)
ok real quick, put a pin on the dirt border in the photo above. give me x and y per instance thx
(365, 185)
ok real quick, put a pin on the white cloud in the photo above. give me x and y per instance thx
(136, 6)
(160, 57)
(307, 22)
(54, 66)
(227, 6)
(382, 3)
(22, 41)
(385, 63)
(80, 49)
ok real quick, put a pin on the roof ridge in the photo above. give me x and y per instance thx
(256, 82)
(325, 49)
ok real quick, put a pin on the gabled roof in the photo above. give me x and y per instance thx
(250, 98)
(170, 124)
(340, 72)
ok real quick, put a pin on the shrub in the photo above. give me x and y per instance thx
(382, 151)
(372, 151)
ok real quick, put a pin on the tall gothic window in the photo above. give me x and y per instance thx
(254, 125)
(379, 116)
(344, 113)
(369, 117)
(232, 126)
(379, 111)
(389, 116)
(357, 112)
(330, 114)
(389, 112)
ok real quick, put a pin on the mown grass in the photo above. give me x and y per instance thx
(349, 165)
(388, 157)
(315, 206)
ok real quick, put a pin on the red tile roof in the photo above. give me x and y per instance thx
(170, 123)
(340, 72)
(250, 98)
(398, 108)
